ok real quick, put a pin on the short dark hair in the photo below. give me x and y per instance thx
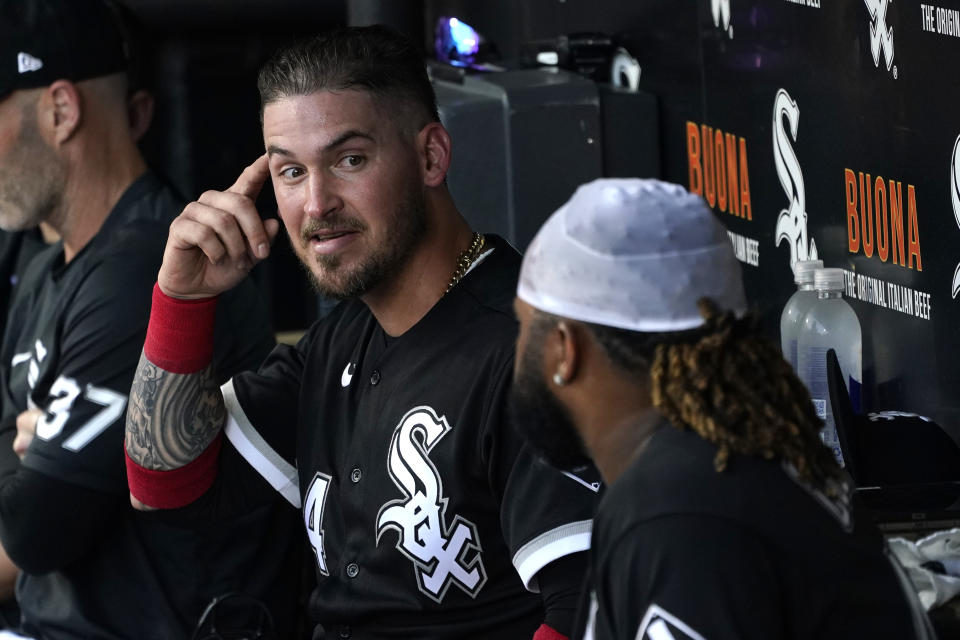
(376, 59)
(631, 352)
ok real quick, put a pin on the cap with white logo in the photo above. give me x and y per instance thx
(633, 254)
(42, 41)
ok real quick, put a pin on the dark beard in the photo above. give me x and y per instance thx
(407, 226)
(541, 419)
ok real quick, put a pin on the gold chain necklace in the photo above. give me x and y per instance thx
(465, 259)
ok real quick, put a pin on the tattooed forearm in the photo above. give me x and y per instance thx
(171, 418)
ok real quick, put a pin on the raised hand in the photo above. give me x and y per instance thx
(216, 240)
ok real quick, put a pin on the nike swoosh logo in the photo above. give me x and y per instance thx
(347, 374)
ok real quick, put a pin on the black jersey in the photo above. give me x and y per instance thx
(71, 348)
(17, 249)
(426, 513)
(683, 552)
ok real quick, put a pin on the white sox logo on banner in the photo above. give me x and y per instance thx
(955, 199)
(792, 222)
(881, 36)
(721, 15)
(442, 555)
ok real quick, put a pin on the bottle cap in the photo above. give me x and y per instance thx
(803, 270)
(828, 280)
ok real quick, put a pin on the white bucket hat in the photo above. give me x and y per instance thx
(633, 254)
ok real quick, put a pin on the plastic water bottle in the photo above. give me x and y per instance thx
(791, 320)
(830, 323)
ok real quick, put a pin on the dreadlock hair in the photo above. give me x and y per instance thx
(731, 386)
(376, 59)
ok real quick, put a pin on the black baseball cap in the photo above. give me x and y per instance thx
(42, 41)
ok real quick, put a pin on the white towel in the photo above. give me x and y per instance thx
(933, 588)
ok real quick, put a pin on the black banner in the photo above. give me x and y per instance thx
(812, 127)
(839, 114)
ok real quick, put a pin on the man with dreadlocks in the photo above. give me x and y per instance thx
(725, 516)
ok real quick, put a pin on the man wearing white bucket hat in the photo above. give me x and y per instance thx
(725, 516)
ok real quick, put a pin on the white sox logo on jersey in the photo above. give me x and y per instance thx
(955, 199)
(659, 624)
(792, 222)
(442, 555)
(881, 36)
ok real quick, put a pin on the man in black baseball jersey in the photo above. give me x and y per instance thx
(725, 517)
(91, 566)
(427, 516)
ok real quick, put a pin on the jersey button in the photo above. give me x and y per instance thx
(375, 377)
(352, 570)
(356, 475)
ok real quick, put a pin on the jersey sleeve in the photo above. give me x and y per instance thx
(545, 514)
(684, 577)
(72, 520)
(80, 434)
(261, 425)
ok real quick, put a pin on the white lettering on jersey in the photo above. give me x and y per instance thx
(347, 375)
(881, 37)
(442, 555)
(63, 392)
(33, 370)
(20, 358)
(658, 624)
(113, 405)
(33, 373)
(792, 222)
(313, 508)
(62, 395)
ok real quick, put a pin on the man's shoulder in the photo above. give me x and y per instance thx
(492, 282)
(140, 219)
(115, 285)
(675, 475)
(129, 245)
(118, 276)
(151, 199)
